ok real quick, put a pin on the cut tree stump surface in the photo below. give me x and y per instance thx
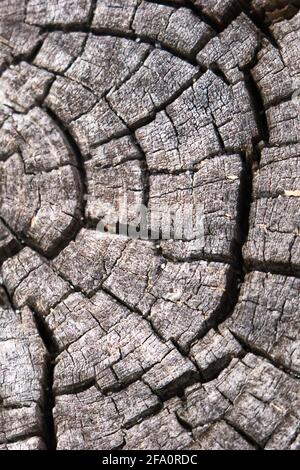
(111, 342)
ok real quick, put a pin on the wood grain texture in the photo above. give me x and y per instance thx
(109, 340)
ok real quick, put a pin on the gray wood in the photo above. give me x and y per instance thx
(266, 317)
(108, 341)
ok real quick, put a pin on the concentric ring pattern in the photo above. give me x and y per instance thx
(110, 340)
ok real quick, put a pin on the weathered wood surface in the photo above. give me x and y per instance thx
(109, 342)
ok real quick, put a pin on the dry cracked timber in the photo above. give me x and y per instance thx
(110, 342)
